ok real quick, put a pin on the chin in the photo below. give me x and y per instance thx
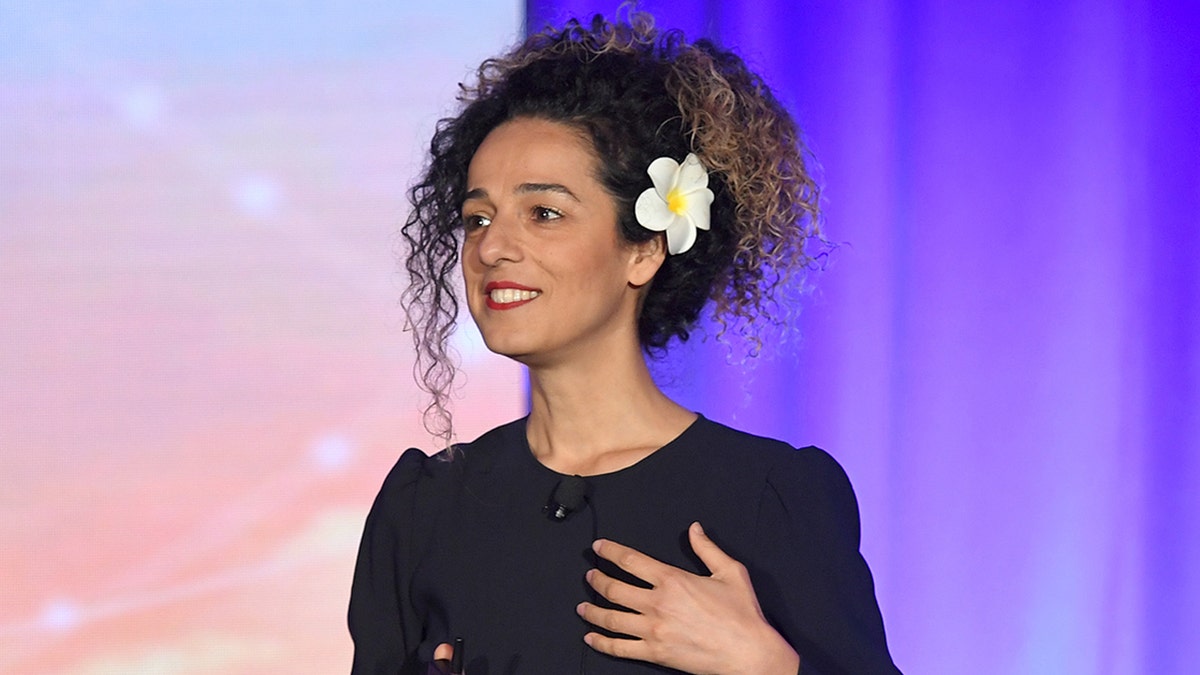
(510, 346)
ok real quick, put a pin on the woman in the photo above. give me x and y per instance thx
(600, 186)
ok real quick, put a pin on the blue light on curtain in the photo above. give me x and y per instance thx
(1004, 352)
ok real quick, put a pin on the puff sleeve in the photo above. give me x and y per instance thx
(383, 625)
(812, 582)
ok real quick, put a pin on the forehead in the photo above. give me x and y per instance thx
(528, 149)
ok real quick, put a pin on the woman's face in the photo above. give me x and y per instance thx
(547, 275)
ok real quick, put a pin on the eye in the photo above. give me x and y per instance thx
(475, 221)
(545, 213)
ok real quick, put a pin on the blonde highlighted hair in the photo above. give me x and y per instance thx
(638, 94)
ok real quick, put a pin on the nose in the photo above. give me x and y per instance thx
(498, 242)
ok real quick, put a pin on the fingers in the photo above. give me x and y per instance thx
(620, 647)
(690, 622)
(653, 571)
(617, 591)
(613, 620)
(633, 561)
(443, 652)
(716, 560)
(444, 660)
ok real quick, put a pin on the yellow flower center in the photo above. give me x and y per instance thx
(676, 202)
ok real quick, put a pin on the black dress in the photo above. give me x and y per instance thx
(463, 548)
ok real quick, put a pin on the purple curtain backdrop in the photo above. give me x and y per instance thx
(1004, 352)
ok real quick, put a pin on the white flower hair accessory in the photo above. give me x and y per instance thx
(679, 202)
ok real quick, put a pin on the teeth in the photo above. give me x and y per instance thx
(506, 295)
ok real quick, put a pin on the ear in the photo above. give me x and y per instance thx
(645, 259)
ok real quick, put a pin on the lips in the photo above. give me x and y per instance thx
(508, 295)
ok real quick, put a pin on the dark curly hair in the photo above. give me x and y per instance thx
(638, 94)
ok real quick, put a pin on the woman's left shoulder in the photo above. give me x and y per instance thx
(778, 457)
(804, 479)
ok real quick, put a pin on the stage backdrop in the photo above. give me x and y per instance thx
(1005, 352)
(203, 372)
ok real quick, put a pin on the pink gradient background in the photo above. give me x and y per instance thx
(203, 372)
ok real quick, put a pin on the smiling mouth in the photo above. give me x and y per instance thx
(505, 296)
(508, 298)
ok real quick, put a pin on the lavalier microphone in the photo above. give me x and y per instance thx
(568, 496)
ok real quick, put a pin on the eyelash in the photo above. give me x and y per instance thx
(476, 221)
(539, 213)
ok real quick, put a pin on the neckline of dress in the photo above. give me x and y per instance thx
(661, 453)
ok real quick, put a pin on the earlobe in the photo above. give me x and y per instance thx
(647, 258)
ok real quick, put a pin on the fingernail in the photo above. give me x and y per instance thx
(596, 545)
(588, 574)
(588, 639)
(579, 609)
(699, 527)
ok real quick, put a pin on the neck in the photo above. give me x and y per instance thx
(600, 415)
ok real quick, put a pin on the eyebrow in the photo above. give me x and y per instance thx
(526, 188)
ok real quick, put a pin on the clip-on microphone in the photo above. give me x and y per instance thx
(568, 496)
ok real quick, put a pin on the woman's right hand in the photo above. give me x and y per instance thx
(443, 657)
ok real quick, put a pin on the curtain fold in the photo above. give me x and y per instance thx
(1003, 350)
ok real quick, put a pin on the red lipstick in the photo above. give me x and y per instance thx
(503, 295)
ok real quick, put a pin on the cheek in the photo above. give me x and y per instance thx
(471, 271)
(597, 252)
(469, 262)
(599, 273)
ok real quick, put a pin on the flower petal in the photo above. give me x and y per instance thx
(699, 208)
(652, 212)
(679, 203)
(692, 174)
(663, 172)
(680, 236)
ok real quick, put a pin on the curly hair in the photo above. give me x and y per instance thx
(638, 94)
